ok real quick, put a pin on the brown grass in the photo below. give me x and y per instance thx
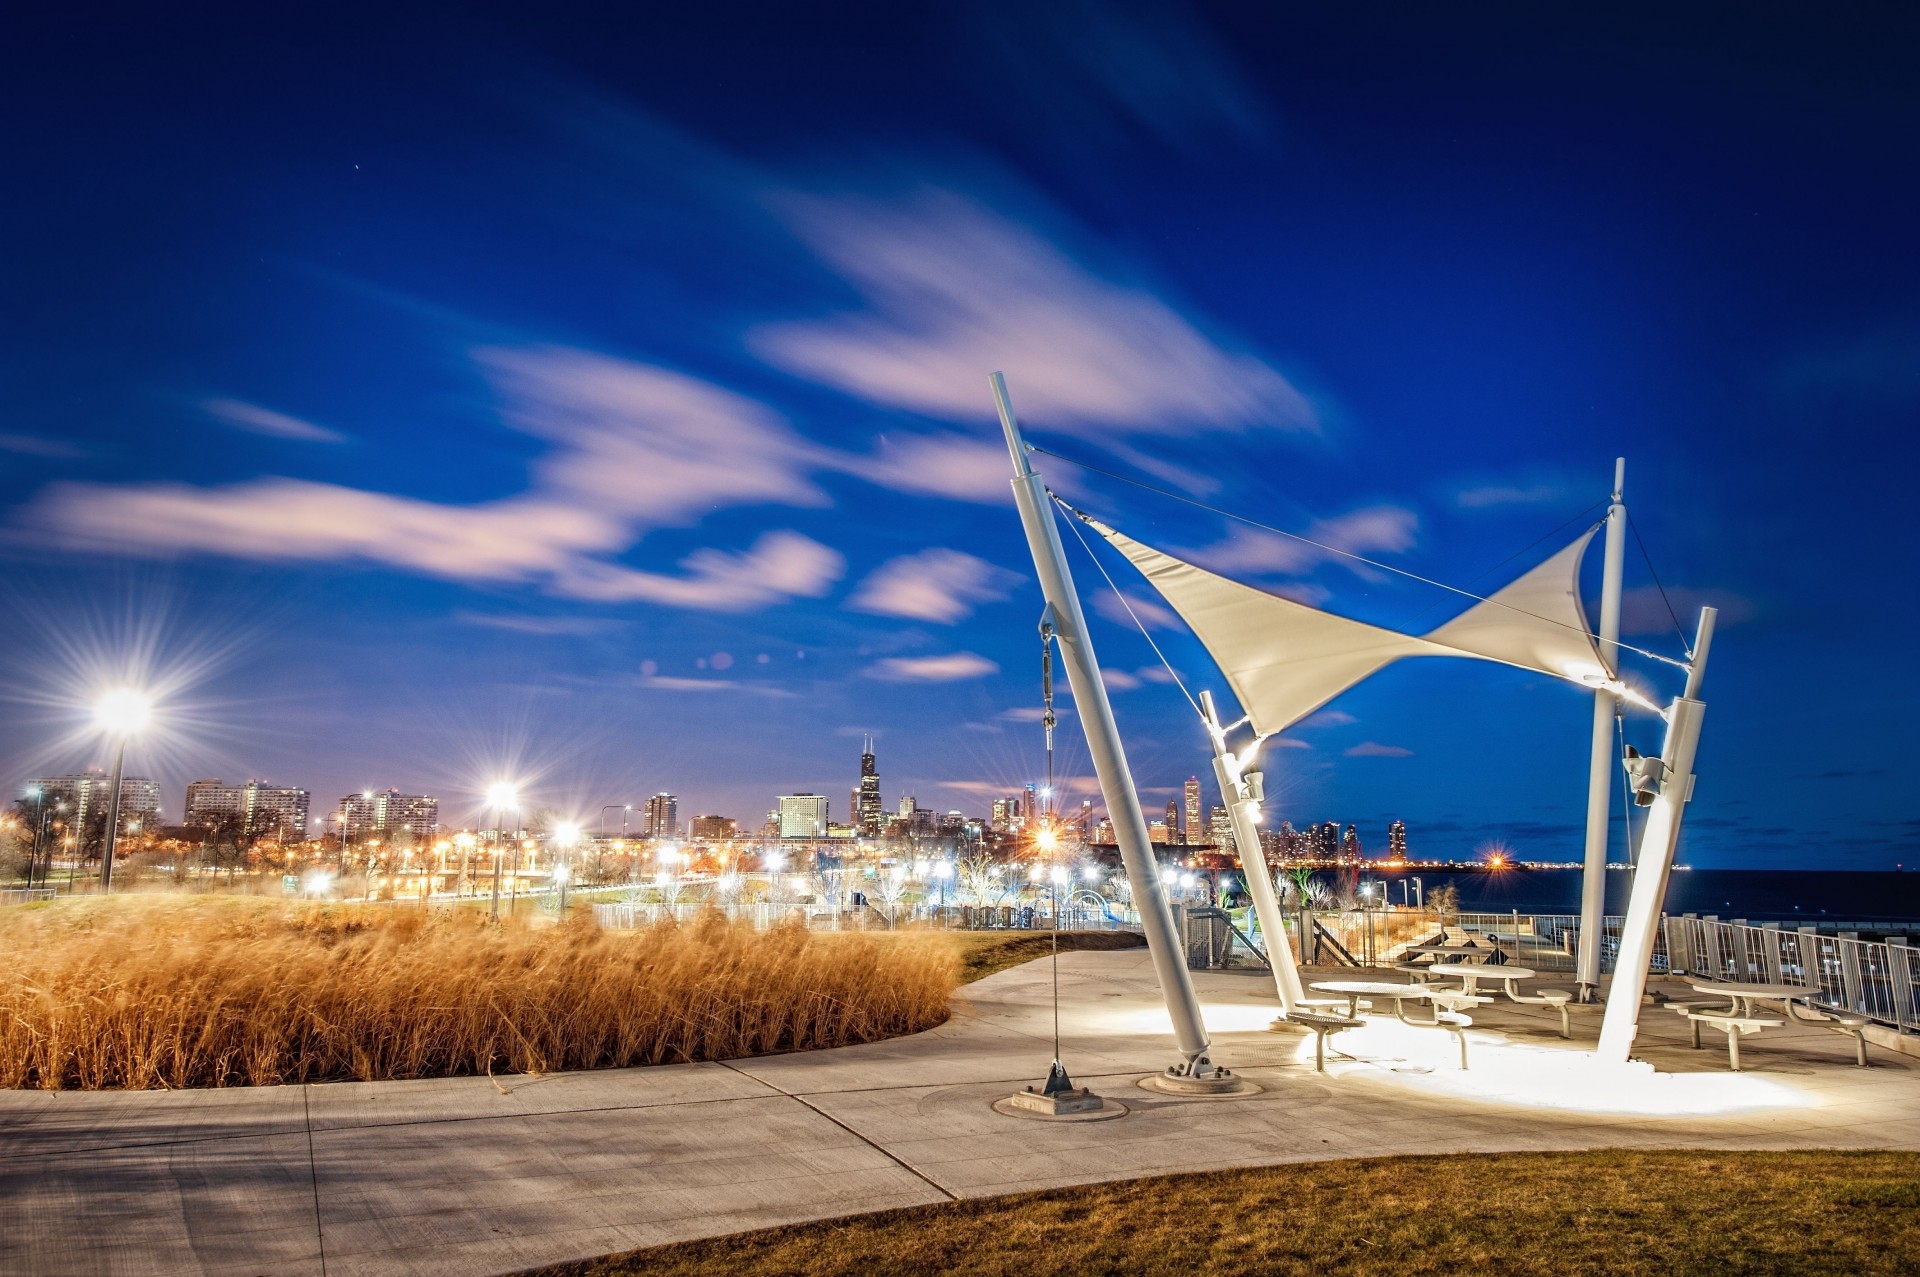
(1623, 1214)
(155, 992)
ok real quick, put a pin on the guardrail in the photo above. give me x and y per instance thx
(627, 915)
(1875, 978)
(24, 895)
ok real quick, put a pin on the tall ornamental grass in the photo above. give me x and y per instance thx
(151, 993)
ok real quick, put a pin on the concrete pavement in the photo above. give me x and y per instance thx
(472, 1175)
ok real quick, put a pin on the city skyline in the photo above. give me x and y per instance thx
(544, 413)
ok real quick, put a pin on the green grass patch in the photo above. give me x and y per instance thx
(1623, 1214)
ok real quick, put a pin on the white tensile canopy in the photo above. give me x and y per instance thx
(1284, 659)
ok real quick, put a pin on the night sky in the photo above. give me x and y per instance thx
(598, 398)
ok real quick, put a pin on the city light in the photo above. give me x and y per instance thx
(122, 712)
(566, 834)
(501, 796)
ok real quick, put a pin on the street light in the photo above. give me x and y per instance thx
(502, 798)
(565, 836)
(120, 713)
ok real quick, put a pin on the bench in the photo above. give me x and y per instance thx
(1733, 1026)
(1848, 1023)
(1446, 1016)
(1323, 1026)
(1456, 1023)
(1555, 998)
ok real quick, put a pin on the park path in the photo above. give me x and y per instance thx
(472, 1176)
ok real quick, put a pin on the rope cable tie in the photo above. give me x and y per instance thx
(1118, 594)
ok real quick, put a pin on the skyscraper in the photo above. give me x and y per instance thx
(1196, 832)
(1397, 840)
(277, 810)
(1173, 838)
(866, 811)
(663, 816)
(357, 816)
(85, 798)
(803, 816)
(416, 814)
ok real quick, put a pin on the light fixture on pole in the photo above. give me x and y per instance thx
(565, 836)
(502, 798)
(120, 713)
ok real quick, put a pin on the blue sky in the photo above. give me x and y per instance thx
(600, 400)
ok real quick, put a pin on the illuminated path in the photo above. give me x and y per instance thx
(454, 1176)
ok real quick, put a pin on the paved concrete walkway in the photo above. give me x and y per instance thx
(466, 1175)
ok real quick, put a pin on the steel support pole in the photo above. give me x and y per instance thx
(113, 818)
(1239, 791)
(1103, 744)
(1605, 759)
(1658, 838)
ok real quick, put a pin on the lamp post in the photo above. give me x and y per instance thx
(565, 836)
(625, 810)
(502, 799)
(119, 714)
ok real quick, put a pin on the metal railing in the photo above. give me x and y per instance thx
(1540, 941)
(1874, 978)
(24, 895)
(1033, 916)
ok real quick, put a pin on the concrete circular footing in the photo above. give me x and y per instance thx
(1218, 1087)
(1108, 1110)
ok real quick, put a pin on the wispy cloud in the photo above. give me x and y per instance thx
(1119, 680)
(958, 467)
(1493, 495)
(1643, 611)
(933, 669)
(1374, 749)
(35, 446)
(254, 419)
(575, 626)
(634, 447)
(1151, 613)
(955, 289)
(667, 683)
(1329, 718)
(1370, 531)
(934, 585)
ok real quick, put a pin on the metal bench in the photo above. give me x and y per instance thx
(1555, 998)
(1323, 1026)
(1733, 1026)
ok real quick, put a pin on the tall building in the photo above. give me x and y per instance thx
(1350, 844)
(1397, 840)
(1006, 814)
(1172, 822)
(866, 809)
(803, 816)
(416, 814)
(663, 817)
(278, 811)
(1220, 827)
(714, 828)
(1196, 832)
(357, 816)
(86, 798)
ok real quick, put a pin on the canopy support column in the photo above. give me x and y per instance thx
(1606, 710)
(1240, 791)
(1109, 757)
(1658, 838)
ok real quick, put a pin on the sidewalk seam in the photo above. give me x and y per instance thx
(313, 1177)
(897, 1160)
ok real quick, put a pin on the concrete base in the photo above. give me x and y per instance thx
(1219, 1085)
(1020, 1104)
(1080, 1101)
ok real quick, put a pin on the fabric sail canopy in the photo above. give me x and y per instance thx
(1285, 660)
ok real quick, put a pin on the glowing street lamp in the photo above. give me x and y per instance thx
(565, 836)
(502, 798)
(119, 714)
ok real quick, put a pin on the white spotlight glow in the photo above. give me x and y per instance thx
(122, 712)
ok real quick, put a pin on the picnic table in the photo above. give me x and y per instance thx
(1354, 990)
(1742, 1015)
(1471, 973)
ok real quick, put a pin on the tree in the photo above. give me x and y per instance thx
(982, 880)
(230, 840)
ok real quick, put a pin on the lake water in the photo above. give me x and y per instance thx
(1755, 894)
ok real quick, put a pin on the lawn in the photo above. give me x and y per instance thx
(1623, 1214)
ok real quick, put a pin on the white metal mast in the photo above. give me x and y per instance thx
(1240, 790)
(1606, 710)
(1658, 838)
(1109, 757)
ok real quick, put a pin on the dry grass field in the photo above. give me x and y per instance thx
(1621, 1214)
(150, 992)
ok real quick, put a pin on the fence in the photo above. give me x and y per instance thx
(24, 895)
(1540, 941)
(1034, 915)
(1877, 979)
